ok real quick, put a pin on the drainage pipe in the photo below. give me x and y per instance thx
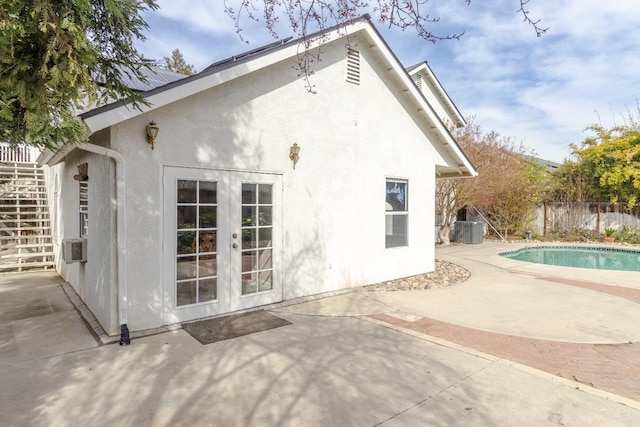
(121, 246)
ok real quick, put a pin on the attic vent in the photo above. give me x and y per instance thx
(353, 66)
(419, 81)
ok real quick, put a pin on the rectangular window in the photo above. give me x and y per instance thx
(84, 208)
(397, 213)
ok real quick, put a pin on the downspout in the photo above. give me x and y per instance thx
(120, 234)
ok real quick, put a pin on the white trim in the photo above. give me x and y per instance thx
(459, 161)
(442, 94)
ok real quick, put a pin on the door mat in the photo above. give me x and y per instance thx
(236, 325)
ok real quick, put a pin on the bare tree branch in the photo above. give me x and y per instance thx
(535, 24)
(307, 17)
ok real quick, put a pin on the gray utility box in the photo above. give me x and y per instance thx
(468, 232)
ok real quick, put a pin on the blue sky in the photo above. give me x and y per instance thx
(542, 92)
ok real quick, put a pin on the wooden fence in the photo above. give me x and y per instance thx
(596, 216)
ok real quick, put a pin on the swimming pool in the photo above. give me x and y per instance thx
(582, 257)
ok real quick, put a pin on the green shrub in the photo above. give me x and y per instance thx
(628, 235)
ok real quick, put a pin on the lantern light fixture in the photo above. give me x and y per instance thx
(152, 133)
(294, 153)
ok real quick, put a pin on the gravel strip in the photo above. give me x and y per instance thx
(445, 274)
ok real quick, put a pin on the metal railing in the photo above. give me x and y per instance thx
(18, 153)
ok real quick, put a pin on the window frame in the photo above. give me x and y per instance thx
(391, 215)
(83, 208)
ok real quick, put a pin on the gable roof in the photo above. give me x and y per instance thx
(438, 90)
(256, 59)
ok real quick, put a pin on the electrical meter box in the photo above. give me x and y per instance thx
(74, 250)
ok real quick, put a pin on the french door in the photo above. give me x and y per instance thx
(222, 237)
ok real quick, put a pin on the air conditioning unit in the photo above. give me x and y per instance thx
(74, 250)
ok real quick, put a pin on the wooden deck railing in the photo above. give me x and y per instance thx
(18, 153)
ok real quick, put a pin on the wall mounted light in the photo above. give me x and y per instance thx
(83, 172)
(152, 133)
(293, 154)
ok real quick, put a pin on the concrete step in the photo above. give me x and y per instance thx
(5, 234)
(23, 199)
(24, 215)
(33, 231)
(13, 246)
(25, 255)
(13, 206)
(15, 266)
(23, 223)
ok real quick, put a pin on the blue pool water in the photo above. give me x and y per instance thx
(582, 257)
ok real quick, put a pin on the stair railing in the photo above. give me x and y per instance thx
(18, 153)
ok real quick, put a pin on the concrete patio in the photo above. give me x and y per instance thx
(360, 358)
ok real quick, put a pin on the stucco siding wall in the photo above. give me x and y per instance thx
(352, 137)
(92, 280)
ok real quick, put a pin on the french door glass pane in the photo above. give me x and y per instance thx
(264, 259)
(248, 216)
(196, 261)
(186, 293)
(207, 217)
(249, 238)
(185, 240)
(265, 195)
(249, 283)
(257, 231)
(187, 191)
(265, 216)
(265, 282)
(208, 192)
(249, 194)
(186, 268)
(207, 265)
(207, 290)
(249, 261)
(186, 217)
(264, 234)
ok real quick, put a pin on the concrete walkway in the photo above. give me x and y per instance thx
(517, 298)
(395, 359)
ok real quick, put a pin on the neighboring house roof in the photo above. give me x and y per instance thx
(547, 163)
(256, 59)
(438, 90)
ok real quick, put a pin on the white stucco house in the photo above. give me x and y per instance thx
(220, 215)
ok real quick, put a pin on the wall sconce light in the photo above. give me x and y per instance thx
(293, 154)
(152, 133)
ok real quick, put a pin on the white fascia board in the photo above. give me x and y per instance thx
(444, 96)
(441, 93)
(448, 142)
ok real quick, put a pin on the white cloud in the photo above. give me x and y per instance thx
(199, 15)
(543, 91)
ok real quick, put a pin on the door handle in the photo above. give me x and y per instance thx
(235, 246)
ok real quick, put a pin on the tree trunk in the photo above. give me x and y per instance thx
(443, 234)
